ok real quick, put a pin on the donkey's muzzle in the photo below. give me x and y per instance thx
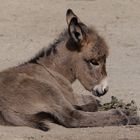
(101, 89)
(100, 93)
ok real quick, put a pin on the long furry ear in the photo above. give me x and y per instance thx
(75, 30)
(69, 15)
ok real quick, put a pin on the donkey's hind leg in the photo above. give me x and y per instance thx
(18, 119)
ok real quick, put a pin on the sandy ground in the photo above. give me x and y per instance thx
(26, 26)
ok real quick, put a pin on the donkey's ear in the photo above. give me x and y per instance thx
(69, 15)
(75, 30)
(74, 27)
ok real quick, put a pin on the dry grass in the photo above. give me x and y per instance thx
(130, 108)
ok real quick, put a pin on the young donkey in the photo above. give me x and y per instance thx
(40, 90)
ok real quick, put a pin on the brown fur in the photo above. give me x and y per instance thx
(40, 90)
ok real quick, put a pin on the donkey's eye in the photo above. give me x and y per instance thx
(93, 62)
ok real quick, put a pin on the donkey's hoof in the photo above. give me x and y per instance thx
(42, 126)
(122, 119)
(134, 120)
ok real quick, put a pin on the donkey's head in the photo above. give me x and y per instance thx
(90, 55)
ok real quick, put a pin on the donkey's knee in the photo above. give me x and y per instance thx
(88, 103)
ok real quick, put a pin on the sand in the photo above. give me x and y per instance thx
(26, 26)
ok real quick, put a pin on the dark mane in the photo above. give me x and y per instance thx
(51, 49)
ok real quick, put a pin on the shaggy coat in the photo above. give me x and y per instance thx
(39, 91)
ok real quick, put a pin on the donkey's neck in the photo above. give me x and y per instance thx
(58, 57)
(60, 61)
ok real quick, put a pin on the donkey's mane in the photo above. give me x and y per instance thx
(52, 48)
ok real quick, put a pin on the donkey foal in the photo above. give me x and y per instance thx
(40, 91)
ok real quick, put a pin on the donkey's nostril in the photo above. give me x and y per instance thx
(105, 90)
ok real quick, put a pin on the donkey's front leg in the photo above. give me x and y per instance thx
(87, 103)
(95, 119)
